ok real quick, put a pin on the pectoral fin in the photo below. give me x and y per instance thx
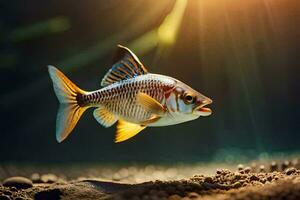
(126, 130)
(150, 103)
(104, 117)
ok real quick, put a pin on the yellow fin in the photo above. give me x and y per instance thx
(104, 117)
(66, 120)
(150, 103)
(126, 130)
(69, 111)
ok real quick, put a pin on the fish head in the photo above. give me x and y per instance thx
(187, 101)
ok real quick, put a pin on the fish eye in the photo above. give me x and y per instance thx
(188, 98)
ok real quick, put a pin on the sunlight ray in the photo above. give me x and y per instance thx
(235, 43)
(168, 30)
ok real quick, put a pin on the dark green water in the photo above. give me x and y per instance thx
(242, 54)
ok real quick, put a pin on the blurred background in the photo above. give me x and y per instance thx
(244, 54)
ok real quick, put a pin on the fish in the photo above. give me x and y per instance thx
(130, 96)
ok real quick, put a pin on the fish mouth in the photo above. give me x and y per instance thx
(203, 111)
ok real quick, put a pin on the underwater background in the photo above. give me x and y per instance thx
(244, 54)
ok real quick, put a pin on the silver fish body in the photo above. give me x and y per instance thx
(120, 98)
(131, 96)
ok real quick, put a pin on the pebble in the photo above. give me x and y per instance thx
(247, 170)
(263, 180)
(240, 167)
(269, 178)
(9, 193)
(49, 178)
(254, 166)
(18, 182)
(193, 195)
(262, 168)
(13, 189)
(4, 197)
(254, 178)
(208, 179)
(237, 176)
(285, 165)
(290, 171)
(174, 197)
(36, 178)
(237, 185)
(296, 163)
(273, 166)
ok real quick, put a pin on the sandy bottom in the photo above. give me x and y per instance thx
(272, 180)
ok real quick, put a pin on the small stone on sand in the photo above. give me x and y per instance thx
(290, 171)
(49, 178)
(240, 167)
(4, 197)
(18, 182)
(36, 178)
(274, 166)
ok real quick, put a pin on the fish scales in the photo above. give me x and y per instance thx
(120, 98)
(130, 96)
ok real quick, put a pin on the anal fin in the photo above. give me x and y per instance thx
(126, 130)
(104, 117)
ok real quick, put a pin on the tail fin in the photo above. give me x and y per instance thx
(69, 111)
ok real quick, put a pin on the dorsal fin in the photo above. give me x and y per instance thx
(126, 65)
